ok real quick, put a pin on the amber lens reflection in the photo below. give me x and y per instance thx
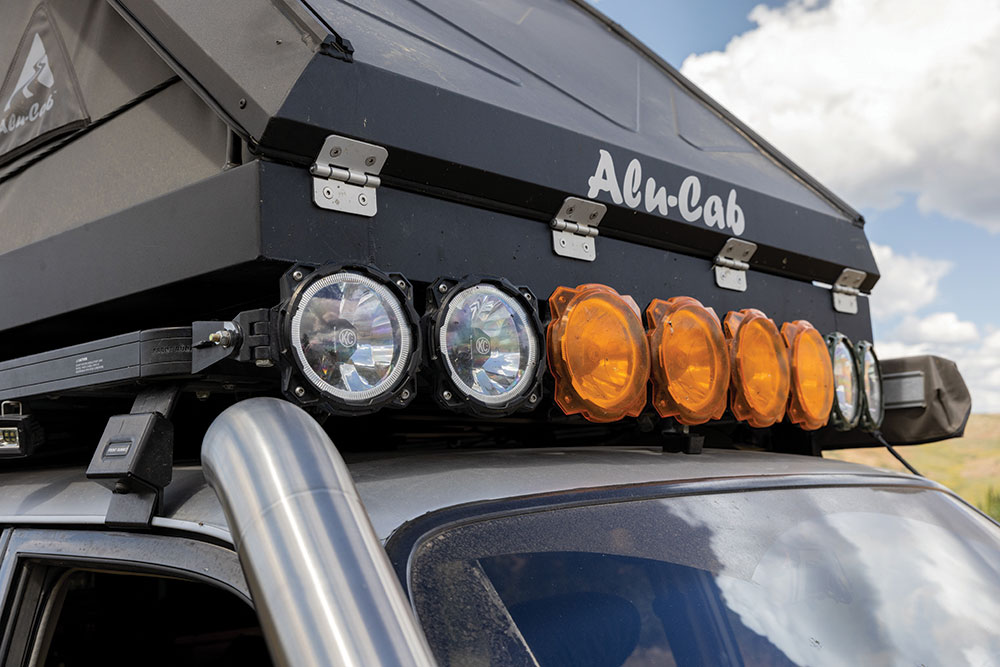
(814, 374)
(600, 351)
(691, 361)
(765, 381)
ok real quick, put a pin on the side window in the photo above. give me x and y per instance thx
(77, 598)
(88, 615)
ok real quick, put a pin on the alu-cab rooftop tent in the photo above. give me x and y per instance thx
(163, 175)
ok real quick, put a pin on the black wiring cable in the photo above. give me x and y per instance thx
(892, 450)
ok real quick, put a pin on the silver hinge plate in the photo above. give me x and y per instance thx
(732, 264)
(574, 229)
(846, 291)
(345, 175)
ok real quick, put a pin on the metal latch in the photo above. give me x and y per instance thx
(732, 264)
(346, 175)
(574, 229)
(846, 291)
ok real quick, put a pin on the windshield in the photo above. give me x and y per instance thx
(820, 576)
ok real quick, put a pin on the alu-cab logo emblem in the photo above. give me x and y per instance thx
(36, 69)
(714, 211)
(40, 95)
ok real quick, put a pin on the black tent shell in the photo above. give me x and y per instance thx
(192, 167)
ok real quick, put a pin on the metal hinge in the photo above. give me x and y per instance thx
(574, 229)
(846, 291)
(732, 264)
(346, 175)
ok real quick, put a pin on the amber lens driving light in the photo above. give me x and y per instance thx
(598, 353)
(846, 382)
(760, 377)
(873, 409)
(690, 360)
(485, 340)
(353, 340)
(812, 375)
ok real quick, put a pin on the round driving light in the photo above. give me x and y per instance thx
(760, 375)
(690, 360)
(846, 382)
(812, 375)
(485, 339)
(598, 353)
(871, 382)
(352, 340)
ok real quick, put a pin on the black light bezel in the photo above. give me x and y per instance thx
(837, 419)
(866, 422)
(449, 395)
(295, 384)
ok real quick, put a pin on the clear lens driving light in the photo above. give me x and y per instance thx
(846, 386)
(484, 335)
(352, 340)
(873, 409)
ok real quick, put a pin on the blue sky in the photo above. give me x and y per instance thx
(893, 104)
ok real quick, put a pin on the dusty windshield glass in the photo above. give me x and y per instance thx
(832, 576)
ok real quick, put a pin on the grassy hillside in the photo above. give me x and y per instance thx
(970, 466)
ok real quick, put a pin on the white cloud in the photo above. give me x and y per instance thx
(908, 282)
(877, 98)
(943, 328)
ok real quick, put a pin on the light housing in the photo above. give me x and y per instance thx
(847, 406)
(760, 374)
(690, 360)
(873, 404)
(598, 354)
(350, 333)
(811, 395)
(485, 343)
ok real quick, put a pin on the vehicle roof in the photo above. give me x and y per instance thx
(397, 489)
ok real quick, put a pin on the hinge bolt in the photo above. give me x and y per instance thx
(328, 192)
(335, 151)
(363, 199)
(369, 161)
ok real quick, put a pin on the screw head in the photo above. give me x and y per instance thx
(328, 192)
(533, 398)
(405, 395)
(300, 392)
(569, 211)
(363, 199)
(370, 160)
(401, 284)
(297, 275)
(446, 395)
(243, 103)
(336, 151)
(593, 216)
(586, 247)
(562, 242)
(443, 288)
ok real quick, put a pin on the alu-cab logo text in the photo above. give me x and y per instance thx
(713, 211)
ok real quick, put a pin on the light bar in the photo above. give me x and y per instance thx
(598, 353)
(352, 337)
(690, 360)
(760, 375)
(485, 341)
